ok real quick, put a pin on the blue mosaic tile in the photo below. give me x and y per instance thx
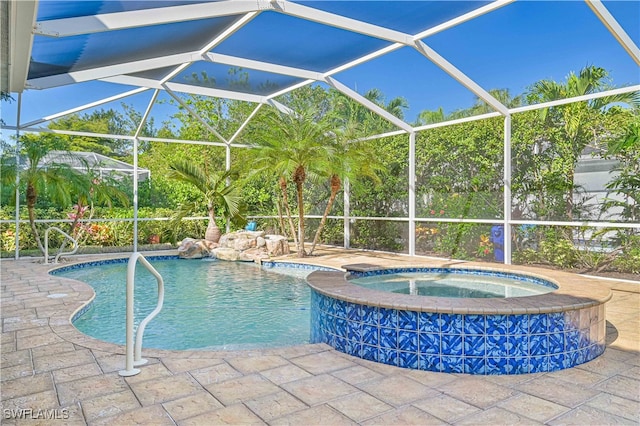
(556, 322)
(388, 337)
(474, 324)
(571, 340)
(341, 327)
(354, 331)
(538, 344)
(407, 320)
(538, 324)
(571, 359)
(429, 322)
(556, 343)
(452, 364)
(451, 324)
(408, 359)
(539, 364)
(370, 334)
(407, 340)
(353, 311)
(496, 345)
(369, 314)
(369, 352)
(429, 362)
(340, 343)
(339, 308)
(517, 324)
(497, 366)
(474, 365)
(429, 343)
(518, 346)
(496, 324)
(518, 365)
(451, 344)
(474, 346)
(353, 348)
(556, 362)
(388, 318)
(388, 356)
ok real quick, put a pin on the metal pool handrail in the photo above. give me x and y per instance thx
(46, 244)
(135, 359)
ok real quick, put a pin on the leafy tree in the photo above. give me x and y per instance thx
(575, 124)
(217, 192)
(58, 181)
(294, 146)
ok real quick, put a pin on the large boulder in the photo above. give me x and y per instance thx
(246, 246)
(191, 248)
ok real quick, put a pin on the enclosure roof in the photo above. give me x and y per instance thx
(101, 164)
(257, 50)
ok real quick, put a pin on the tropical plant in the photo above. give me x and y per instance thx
(216, 188)
(56, 180)
(294, 146)
(575, 124)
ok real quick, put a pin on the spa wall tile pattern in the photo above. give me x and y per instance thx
(459, 343)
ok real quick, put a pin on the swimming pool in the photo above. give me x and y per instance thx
(208, 304)
(455, 283)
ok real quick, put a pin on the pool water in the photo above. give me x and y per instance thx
(208, 304)
(452, 285)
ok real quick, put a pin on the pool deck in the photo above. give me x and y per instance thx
(53, 374)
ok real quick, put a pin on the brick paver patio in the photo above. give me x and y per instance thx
(53, 374)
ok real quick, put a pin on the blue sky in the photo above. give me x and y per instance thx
(510, 48)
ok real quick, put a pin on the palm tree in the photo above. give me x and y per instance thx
(574, 120)
(294, 146)
(60, 182)
(352, 158)
(214, 187)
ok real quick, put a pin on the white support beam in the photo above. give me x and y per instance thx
(412, 194)
(463, 18)
(196, 115)
(339, 21)
(22, 18)
(86, 106)
(262, 66)
(185, 88)
(146, 114)
(243, 125)
(459, 76)
(368, 104)
(615, 28)
(145, 17)
(582, 98)
(507, 244)
(114, 70)
(280, 107)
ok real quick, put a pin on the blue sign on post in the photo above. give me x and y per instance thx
(497, 238)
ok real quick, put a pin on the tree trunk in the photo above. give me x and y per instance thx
(283, 187)
(299, 176)
(336, 184)
(213, 233)
(31, 204)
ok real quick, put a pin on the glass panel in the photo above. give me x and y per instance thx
(68, 9)
(380, 235)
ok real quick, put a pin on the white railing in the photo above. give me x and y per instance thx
(133, 356)
(46, 244)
